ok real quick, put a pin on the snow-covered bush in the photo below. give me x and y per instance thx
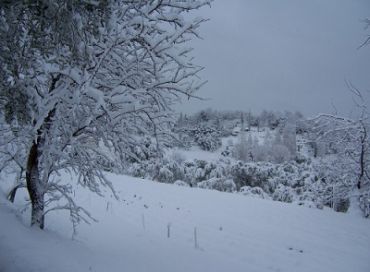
(283, 193)
(144, 169)
(199, 170)
(254, 192)
(136, 170)
(251, 174)
(219, 184)
(169, 172)
(333, 183)
(365, 203)
(227, 152)
(145, 149)
(207, 138)
(312, 183)
(165, 175)
(208, 141)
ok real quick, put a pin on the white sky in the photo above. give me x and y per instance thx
(282, 55)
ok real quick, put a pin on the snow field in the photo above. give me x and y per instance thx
(234, 233)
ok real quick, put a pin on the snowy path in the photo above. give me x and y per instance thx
(234, 233)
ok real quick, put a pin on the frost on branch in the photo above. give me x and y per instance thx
(91, 76)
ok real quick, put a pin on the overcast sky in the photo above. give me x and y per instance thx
(282, 55)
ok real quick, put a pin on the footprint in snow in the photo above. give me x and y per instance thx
(298, 250)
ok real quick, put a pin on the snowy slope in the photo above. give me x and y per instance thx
(234, 233)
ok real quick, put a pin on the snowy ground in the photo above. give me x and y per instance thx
(234, 233)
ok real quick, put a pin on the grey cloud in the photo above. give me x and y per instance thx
(286, 54)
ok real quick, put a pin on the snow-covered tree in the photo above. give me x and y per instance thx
(79, 80)
(242, 150)
(289, 133)
(348, 139)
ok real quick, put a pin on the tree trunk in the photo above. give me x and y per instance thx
(362, 157)
(34, 186)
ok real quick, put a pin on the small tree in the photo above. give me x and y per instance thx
(81, 79)
(350, 140)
